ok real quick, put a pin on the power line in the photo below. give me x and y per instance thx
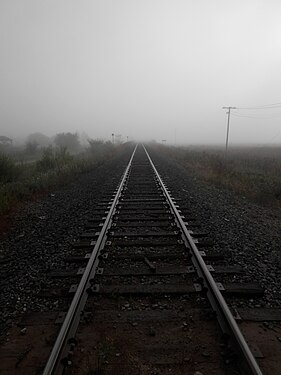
(265, 106)
(256, 116)
(253, 116)
(275, 136)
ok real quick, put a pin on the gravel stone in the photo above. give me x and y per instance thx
(247, 233)
(41, 235)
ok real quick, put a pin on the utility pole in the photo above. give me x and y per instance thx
(227, 130)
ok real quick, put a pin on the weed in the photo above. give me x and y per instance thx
(56, 167)
(47, 160)
(8, 170)
(105, 351)
(251, 172)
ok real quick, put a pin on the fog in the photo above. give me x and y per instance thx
(146, 69)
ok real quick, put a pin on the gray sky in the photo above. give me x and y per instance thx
(147, 69)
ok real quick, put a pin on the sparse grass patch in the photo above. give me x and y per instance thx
(56, 167)
(52, 158)
(254, 172)
(105, 351)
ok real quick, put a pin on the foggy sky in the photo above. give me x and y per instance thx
(146, 69)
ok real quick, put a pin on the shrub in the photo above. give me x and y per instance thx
(8, 170)
(47, 160)
(98, 148)
(63, 156)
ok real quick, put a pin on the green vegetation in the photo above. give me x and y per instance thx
(55, 167)
(112, 357)
(8, 169)
(105, 351)
(68, 140)
(253, 172)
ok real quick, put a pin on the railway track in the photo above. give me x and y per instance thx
(145, 292)
(145, 254)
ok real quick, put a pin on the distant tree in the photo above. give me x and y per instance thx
(83, 137)
(95, 143)
(5, 140)
(31, 147)
(118, 139)
(40, 139)
(98, 147)
(6, 145)
(67, 140)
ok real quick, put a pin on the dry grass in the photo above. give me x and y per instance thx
(253, 172)
(56, 167)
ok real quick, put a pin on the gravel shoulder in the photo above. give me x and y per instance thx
(245, 232)
(40, 235)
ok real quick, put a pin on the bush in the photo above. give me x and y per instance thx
(47, 160)
(8, 170)
(98, 148)
(63, 157)
(52, 159)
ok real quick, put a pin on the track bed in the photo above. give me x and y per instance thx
(142, 294)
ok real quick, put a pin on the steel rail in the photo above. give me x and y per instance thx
(55, 363)
(225, 317)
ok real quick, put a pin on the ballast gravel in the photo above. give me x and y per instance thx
(41, 234)
(247, 234)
